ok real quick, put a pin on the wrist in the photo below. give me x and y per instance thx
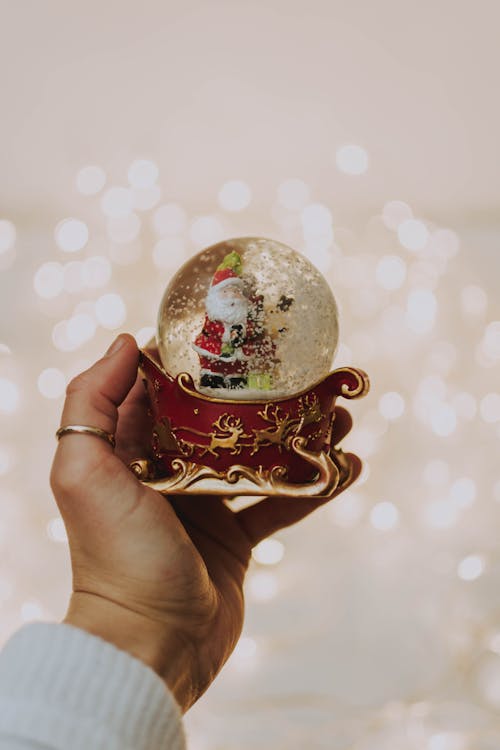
(148, 640)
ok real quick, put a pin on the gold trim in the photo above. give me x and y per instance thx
(344, 466)
(142, 468)
(191, 478)
(363, 385)
(362, 388)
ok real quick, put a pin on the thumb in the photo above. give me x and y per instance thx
(92, 400)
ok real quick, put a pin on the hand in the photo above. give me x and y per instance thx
(159, 578)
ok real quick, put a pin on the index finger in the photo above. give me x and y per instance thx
(92, 400)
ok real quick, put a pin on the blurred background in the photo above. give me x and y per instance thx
(364, 135)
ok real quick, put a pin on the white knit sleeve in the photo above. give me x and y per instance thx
(62, 688)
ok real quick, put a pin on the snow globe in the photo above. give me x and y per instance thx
(242, 397)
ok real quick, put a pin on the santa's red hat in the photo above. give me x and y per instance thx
(228, 272)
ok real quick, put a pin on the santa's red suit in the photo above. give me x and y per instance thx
(209, 345)
(232, 343)
(233, 351)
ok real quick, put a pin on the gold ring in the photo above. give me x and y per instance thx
(84, 430)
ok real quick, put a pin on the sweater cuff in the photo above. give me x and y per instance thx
(62, 686)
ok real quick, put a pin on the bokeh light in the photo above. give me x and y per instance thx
(110, 311)
(73, 276)
(488, 681)
(9, 396)
(352, 159)
(79, 329)
(441, 514)
(471, 567)
(347, 510)
(56, 530)
(268, 552)
(90, 180)
(316, 220)
(465, 405)
(294, 194)
(490, 343)
(144, 199)
(247, 646)
(97, 271)
(48, 281)
(60, 337)
(384, 516)
(436, 472)
(447, 741)
(446, 242)
(51, 382)
(463, 492)
(205, 231)
(31, 610)
(123, 229)
(5, 460)
(143, 173)
(413, 234)
(144, 335)
(169, 252)
(489, 407)
(443, 420)
(391, 272)
(234, 195)
(395, 213)
(71, 235)
(421, 309)
(170, 218)
(474, 300)
(262, 586)
(494, 643)
(391, 405)
(7, 235)
(117, 202)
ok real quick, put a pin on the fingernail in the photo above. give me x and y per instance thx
(116, 345)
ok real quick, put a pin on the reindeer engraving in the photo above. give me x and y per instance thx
(232, 430)
(284, 426)
(278, 433)
(309, 411)
(227, 430)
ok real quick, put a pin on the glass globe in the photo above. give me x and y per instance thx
(248, 318)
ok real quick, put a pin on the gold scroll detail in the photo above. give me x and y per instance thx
(362, 382)
(332, 472)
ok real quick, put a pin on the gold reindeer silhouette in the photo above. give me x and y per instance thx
(278, 433)
(227, 431)
(232, 430)
(309, 411)
(285, 427)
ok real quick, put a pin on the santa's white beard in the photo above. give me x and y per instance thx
(229, 311)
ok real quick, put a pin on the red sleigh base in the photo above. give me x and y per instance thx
(202, 445)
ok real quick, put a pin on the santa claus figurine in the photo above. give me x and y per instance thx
(233, 347)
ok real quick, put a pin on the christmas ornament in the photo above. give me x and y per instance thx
(242, 398)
